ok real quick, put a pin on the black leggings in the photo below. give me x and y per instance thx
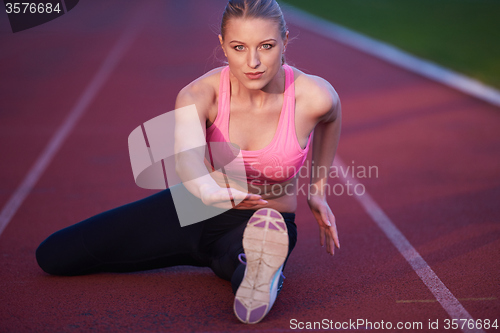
(146, 234)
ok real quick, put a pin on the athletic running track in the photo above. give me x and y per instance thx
(422, 244)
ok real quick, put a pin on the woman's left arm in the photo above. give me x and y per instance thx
(326, 139)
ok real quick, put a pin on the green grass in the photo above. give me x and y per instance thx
(463, 35)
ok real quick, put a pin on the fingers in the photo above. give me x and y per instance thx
(325, 238)
(225, 194)
(328, 231)
(330, 245)
(324, 218)
(334, 232)
(257, 205)
(227, 198)
(330, 248)
(335, 236)
(235, 194)
(254, 199)
(321, 216)
(249, 198)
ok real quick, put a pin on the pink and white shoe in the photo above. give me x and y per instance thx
(265, 242)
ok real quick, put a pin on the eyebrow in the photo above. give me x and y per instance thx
(267, 40)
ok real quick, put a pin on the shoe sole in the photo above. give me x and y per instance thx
(265, 242)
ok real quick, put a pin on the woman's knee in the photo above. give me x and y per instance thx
(63, 253)
(44, 258)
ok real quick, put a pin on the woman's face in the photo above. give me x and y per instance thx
(253, 48)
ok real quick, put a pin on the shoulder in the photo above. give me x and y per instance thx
(317, 95)
(203, 91)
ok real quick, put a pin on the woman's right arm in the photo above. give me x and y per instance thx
(192, 108)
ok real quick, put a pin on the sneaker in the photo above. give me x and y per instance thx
(243, 259)
(265, 242)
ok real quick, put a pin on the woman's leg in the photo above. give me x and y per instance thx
(145, 234)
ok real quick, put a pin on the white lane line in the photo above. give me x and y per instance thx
(443, 295)
(109, 64)
(473, 299)
(392, 54)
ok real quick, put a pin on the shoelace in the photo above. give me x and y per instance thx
(242, 255)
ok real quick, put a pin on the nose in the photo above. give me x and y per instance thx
(253, 59)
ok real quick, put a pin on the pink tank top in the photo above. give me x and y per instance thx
(282, 158)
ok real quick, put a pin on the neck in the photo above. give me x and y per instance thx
(259, 97)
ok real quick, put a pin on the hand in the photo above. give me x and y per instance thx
(326, 220)
(220, 197)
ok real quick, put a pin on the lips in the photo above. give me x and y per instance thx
(254, 75)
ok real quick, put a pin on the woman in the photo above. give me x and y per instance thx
(269, 110)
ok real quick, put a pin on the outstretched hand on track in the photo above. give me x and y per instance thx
(327, 225)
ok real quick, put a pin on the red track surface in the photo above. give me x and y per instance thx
(437, 153)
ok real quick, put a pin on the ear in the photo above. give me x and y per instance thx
(222, 45)
(285, 42)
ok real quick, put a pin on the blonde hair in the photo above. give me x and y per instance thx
(264, 9)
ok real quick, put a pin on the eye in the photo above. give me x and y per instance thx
(267, 46)
(238, 47)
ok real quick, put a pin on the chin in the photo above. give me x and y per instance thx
(255, 84)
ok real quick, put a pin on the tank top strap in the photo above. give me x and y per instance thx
(224, 80)
(287, 128)
(289, 79)
(222, 119)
